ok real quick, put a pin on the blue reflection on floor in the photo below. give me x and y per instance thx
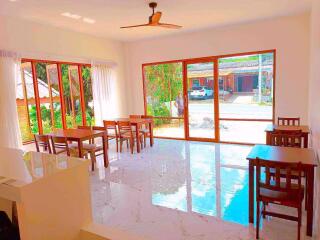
(216, 183)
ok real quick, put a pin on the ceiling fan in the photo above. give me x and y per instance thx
(154, 20)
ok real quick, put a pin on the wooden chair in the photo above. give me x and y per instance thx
(146, 129)
(43, 141)
(286, 138)
(60, 145)
(112, 132)
(126, 133)
(143, 129)
(90, 148)
(288, 121)
(275, 191)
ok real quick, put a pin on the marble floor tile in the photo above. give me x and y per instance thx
(180, 190)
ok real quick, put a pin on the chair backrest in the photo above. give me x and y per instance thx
(286, 138)
(288, 121)
(278, 182)
(99, 128)
(135, 116)
(60, 143)
(43, 141)
(84, 127)
(124, 126)
(111, 125)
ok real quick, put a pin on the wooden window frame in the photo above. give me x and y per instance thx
(61, 91)
(216, 59)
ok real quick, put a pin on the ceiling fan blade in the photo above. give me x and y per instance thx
(155, 18)
(168, 25)
(133, 26)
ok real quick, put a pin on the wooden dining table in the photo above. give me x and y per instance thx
(285, 154)
(137, 123)
(81, 135)
(305, 132)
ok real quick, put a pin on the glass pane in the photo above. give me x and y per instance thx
(243, 131)
(48, 86)
(71, 93)
(167, 127)
(246, 86)
(164, 89)
(201, 99)
(52, 73)
(26, 104)
(88, 97)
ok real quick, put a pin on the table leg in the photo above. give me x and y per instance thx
(251, 191)
(80, 148)
(137, 138)
(310, 189)
(305, 140)
(105, 150)
(151, 133)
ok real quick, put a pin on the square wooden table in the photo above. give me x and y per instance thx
(138, 122)
(285, 154)
(80, 135)
(305, 132)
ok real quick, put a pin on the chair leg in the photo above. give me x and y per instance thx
(127, 141)
(258, 220)
(117, 144)
(121, 141)
(107, 143)
(131, 145)
(264, 209)
(145, 140)
(299, 221)
(93, 159)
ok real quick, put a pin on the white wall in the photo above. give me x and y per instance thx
(288, 35)
(38, 41)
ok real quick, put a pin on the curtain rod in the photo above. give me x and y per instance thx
(65, 58)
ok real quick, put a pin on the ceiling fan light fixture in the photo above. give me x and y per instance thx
(154, 20)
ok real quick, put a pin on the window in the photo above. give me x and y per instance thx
(164, 98)
(219, 98)
(71, 95)
(88, 97)
(245, 97)
(26, 104)
(53, 95)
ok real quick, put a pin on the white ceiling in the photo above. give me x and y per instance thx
(111, 14)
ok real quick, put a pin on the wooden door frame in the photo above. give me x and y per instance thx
(215, 99)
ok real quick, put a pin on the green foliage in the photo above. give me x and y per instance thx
(163, 84)
(45, 108)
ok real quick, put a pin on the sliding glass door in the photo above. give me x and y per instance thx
(164, 98)
(246, 97)
(200, 94)
(224, 98)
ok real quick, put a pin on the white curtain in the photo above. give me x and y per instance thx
(104, 92)
(10, 75)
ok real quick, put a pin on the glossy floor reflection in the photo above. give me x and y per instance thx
(181, 190)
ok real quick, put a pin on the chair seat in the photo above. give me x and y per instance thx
(128, 135)
(284, 198)
(112, 135)
(87, 146)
